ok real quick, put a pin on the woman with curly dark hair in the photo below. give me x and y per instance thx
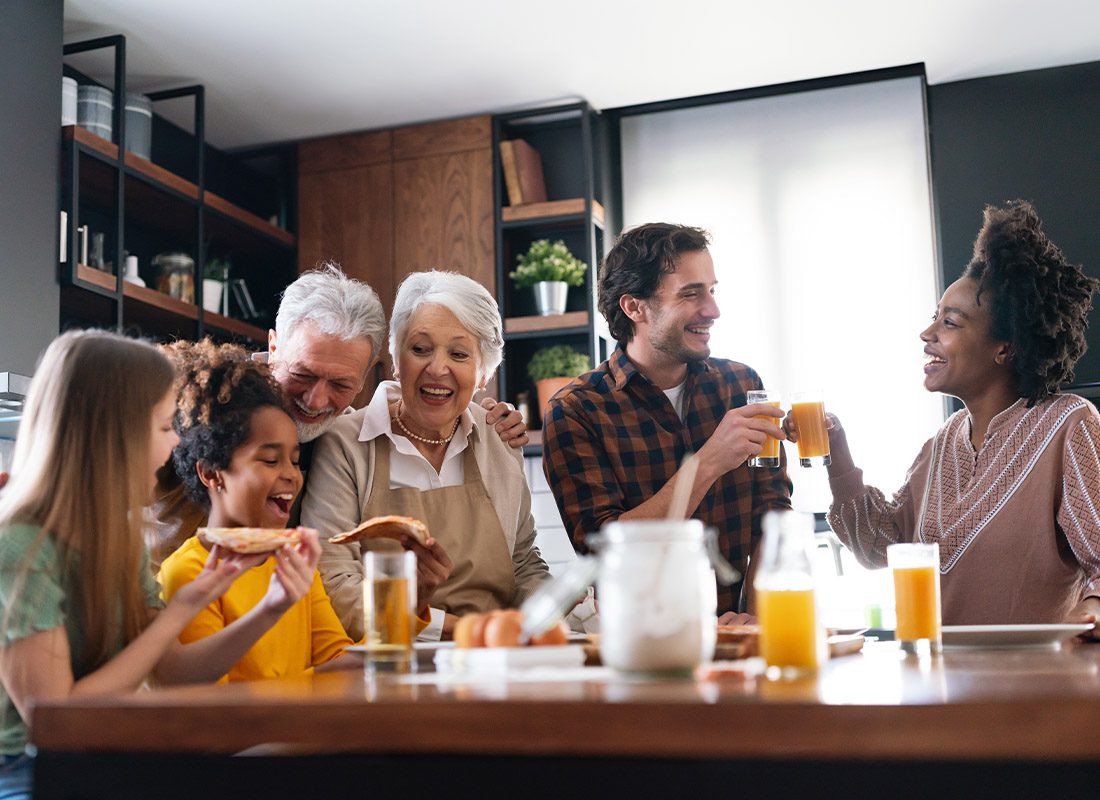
(1009, 486)
(238, 459)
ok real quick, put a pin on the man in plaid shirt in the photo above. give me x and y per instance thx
(615, 437)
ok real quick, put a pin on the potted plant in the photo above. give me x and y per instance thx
(215, 275)
(551, 368)
(550, 269)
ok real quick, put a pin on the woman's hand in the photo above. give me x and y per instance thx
(507, 422)
(222, 567)
(1088, 610)
(832, 425)
(294, 568)
(433, 566)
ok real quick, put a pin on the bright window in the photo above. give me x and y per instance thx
(818, 204)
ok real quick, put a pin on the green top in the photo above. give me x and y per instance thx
(47, 599)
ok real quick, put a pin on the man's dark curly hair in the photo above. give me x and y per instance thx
(1039, 302)
(635, 265)
(218, 389)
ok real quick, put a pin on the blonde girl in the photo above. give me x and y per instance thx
(80, 613)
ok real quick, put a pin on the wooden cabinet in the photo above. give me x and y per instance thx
(383, 204)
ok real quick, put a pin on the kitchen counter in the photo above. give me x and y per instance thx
(1027, 708)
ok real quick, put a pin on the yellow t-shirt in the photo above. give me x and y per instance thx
(308, 634)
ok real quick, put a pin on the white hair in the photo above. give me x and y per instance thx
(335, 304)
(468, 300)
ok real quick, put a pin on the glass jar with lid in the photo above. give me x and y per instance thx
(176, 275)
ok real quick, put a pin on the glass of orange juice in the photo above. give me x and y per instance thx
(792, 640)
(916, 568)
(769, 455)
(808, 410)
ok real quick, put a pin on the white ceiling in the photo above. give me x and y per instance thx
(278, 70)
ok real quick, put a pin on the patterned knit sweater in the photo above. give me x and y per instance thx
(1017, 522)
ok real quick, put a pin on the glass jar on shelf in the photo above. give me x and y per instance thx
(176, 275)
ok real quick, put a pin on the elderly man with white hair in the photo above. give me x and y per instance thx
(422, 448)
(328, 333)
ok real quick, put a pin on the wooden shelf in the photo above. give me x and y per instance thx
(161, 177)
(553, 322)
(534, 212)
(236, 326)
(217, 203)
(163, 303)
(97, 277)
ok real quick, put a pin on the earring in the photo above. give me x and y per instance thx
(220, 489)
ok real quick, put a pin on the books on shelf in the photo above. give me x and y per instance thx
(522, 169)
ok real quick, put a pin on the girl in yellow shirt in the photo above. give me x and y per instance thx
(238, 458)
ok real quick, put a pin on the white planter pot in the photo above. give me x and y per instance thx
(550, 297)
(212, 295)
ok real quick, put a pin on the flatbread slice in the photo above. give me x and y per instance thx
(388, 527)
(252, 540)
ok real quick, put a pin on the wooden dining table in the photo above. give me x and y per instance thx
(982, 720)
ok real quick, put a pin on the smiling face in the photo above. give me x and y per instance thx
(438, 369)
(962, 359)
(162, 437)
(262, 479)
(673, 326)
(320, 373)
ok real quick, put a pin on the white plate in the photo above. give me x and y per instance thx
(362, 648)
(1010, 636)
(499, 660)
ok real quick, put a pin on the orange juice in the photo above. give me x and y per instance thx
(917, 596)
(788, 628)
(770, 449)
(813, 438)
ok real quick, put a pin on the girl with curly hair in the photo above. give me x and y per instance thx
(238, 459)
(1009, 485)
(80, 613)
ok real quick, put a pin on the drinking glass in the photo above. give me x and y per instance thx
(389, 606)
(916, 568)
(792, 640)
(808, 410)
(769, 454)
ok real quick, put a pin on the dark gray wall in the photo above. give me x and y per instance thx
(1034, 135)
(30, 96)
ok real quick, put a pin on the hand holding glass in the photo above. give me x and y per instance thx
(389, 598)
(808, 410)
(769, 453)
(916, 569)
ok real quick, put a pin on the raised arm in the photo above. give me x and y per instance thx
(860, 515)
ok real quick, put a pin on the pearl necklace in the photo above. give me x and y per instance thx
(411, 435)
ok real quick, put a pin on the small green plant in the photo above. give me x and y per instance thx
(559, 361)
(548, 261)
(216, 269)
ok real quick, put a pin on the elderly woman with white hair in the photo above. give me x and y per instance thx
(423, 449)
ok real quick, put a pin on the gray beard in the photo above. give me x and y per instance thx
(308, 431)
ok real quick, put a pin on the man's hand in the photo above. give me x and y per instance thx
(507, 422)
(739, 436)
(1088, 610)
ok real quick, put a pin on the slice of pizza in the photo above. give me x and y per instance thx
(252, 540)
(388, 527)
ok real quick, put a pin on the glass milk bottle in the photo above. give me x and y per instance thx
(792, 640)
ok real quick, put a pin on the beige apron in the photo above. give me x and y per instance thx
(463, 520)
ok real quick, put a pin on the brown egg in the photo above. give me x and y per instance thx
(502, 629)
(470, 630)
(559, 634)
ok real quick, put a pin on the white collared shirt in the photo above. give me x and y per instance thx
(410, 470)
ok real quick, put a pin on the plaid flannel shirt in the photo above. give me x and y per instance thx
(612, 439)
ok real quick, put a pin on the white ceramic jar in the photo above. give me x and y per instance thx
(657, 596)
